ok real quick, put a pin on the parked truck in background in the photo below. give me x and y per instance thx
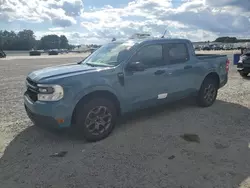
(120, 77)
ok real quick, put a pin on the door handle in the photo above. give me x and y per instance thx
(159, 72)
(188, 67)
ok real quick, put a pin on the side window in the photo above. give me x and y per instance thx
(150, 56)
(176, 53)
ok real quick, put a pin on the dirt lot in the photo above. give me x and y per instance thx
(145, 150)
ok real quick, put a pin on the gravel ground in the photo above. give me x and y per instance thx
(145, 150)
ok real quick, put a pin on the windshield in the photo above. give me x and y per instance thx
(110, 54)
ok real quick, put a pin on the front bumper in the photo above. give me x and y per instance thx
(46, 114)
(41, 121)
(245, 67)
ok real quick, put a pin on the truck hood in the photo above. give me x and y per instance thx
(61, 70)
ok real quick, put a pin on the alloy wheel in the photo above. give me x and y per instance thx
(210, 93)
(98, 120)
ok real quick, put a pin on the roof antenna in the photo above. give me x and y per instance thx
(164, 34)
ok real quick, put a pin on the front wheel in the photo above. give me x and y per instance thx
(96, 119)
(208, 92)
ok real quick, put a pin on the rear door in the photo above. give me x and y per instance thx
(181, 70)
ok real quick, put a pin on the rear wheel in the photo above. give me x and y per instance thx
(208, 92)
(243, 74)
(96, 119)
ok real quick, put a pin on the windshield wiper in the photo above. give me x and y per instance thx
(97, 65)
(92, 65)
(112, 62)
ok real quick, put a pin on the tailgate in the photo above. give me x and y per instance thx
(222, 69)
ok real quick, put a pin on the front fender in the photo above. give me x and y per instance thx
(91, 89)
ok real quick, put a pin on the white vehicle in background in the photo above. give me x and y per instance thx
(227, 47)
(139, 35)
(247, 45)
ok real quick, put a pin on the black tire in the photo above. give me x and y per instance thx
(243, 74)
(205, 97)
(82, 118)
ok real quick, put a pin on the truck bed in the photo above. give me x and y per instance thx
(208, 56)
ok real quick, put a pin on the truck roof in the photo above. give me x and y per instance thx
(151, 40)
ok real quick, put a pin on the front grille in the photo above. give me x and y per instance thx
(32, 89)
(32, 95)
(31, 83)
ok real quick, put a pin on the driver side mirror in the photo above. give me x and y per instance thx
(136, 66)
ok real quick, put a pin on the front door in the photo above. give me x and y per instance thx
(145, 88)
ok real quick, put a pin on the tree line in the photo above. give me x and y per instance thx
(230, 40)
(26, 40)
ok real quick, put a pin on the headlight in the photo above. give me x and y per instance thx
(50, 92)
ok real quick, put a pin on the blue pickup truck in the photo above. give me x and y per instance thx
(120, 77)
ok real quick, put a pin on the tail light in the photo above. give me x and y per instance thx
(227, 65)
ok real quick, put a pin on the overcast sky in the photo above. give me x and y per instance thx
(98, 21)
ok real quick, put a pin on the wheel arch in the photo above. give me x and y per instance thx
(96, 94)
(213, 75)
